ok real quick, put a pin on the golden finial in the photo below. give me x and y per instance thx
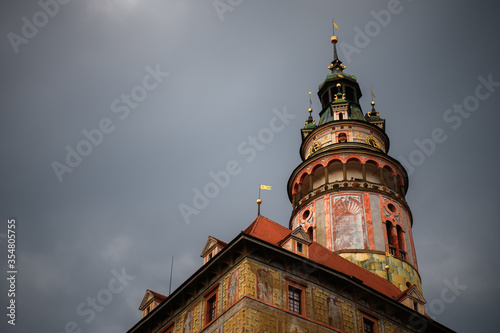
(259, 201)
(334, 39)
(338, 85)
(373, 103)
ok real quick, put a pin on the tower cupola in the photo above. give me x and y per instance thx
(339, 86)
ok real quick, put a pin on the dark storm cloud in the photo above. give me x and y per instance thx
(228, 69)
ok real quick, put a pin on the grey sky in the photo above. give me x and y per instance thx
(119, 207)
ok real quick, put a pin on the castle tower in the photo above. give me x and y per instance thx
(348, 194)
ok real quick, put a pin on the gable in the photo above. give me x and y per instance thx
(412, 293)
(148, 296)
(300, 235)
(209, 245)
(415, 294)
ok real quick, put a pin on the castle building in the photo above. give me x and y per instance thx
(347, 262)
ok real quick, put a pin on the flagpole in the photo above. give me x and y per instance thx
(258, 203)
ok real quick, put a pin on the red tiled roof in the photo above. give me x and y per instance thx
(267, 230)
(272, 232)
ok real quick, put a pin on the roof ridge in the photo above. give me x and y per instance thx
(252, 226)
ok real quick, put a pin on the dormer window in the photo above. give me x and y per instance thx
(298, 242)
(212, 247)
(150, 301)
(412, 298)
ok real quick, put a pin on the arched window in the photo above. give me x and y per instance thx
(390, 238)
(310, 233)
(341, 116)
(325, 99)
(349, 94)
(401, 242)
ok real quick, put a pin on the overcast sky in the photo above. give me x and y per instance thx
(168, 90)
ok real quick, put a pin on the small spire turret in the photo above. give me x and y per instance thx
(310, 123)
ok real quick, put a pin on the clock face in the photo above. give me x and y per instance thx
(370, 139)
(315, 147)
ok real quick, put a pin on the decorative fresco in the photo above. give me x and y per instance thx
(187, 325)
(232, 288)
(335, 313)
(348, 222)
(264, 285)
(293, 328)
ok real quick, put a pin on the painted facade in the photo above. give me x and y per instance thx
(261, 306)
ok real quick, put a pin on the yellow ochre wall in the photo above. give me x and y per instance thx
(251, 314)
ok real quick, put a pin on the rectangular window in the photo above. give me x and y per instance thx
(211, 305)
(299, 247)
(211, 308)
(294, 300)
(368, 326)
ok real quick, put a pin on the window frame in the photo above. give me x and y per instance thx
(300, 247)
(208, 296)
(301, 288)
(368, 316)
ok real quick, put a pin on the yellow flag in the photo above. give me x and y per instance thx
(336, 26)
(372, 91)
(265, 187)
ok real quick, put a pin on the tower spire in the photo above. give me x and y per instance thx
(336, 66)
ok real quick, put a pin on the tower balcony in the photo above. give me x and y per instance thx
(343, 185)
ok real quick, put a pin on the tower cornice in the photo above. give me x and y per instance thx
(343, 125)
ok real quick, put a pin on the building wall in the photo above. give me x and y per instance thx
(261, 305)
